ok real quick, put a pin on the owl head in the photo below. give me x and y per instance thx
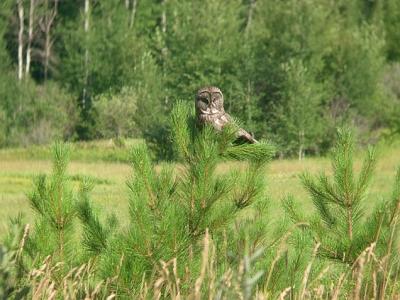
(209, 100)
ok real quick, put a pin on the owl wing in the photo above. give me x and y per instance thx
(244, 135)
(241, 134)
(220, 121)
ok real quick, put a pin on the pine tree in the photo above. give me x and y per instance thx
(341, 223)
(170, 210)
(54, 203)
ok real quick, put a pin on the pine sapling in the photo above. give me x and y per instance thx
(341, 223)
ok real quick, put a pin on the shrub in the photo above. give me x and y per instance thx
(116, 114)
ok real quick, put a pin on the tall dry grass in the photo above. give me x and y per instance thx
(369, 278)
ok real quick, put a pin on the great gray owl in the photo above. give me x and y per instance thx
(210, 109)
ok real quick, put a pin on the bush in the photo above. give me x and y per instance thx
(116, 113)
(36, 114)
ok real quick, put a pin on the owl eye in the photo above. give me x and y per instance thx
(204, 99)
(216, 97)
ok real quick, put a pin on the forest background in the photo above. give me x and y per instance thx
(291, 71)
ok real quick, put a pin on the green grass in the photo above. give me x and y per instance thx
(103, 163)
(101, 150)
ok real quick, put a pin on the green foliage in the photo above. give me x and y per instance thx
(201, 46)
(5, 13)
(391, 77)
(170, 211)
(95, 235)
(54, 202)
(116, 114)
(11, 274)
(292, 71)
(341, 224)
(391, 18)
(299, 119)
(35, 114)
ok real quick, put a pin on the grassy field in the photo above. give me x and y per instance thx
(19, 166)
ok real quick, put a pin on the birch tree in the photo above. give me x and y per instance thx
(86, 58)
(133, 13)
(30, 36)
(20, 38)
(46, 23)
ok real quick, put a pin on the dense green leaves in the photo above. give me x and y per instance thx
(291, 71)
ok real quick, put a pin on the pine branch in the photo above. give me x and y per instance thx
(144, 172)
(37, 197)
(181, 135)
(395, 199)
(365, 174)
(61, 154)
(261, 152)
(95, 236)
(290, 209)
(319, 198)
(342, 166)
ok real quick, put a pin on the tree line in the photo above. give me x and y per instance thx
(291, 71)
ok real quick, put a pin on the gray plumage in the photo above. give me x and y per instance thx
(209, 104)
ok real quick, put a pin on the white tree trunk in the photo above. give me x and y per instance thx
(250, 16)
(30, 37)
(133, 13)
(86, 29)
(164, 16)
(301, 144)
(20, 39)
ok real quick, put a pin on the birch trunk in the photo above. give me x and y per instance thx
(164, 16)
(133, 13)
(30, 37)
(301, 144)
(250, 16)
(86, 62)
(20, 39)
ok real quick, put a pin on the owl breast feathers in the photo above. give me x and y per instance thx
(209, 104)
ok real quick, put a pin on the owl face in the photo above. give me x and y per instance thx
(209, 101)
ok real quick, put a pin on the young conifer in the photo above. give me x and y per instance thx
(54, 202)
(170, 210)
(341, 223)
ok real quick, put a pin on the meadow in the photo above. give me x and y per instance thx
(107, 165)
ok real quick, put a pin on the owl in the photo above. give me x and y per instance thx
(209, 104)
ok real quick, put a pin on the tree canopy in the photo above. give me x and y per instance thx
(291, 71)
